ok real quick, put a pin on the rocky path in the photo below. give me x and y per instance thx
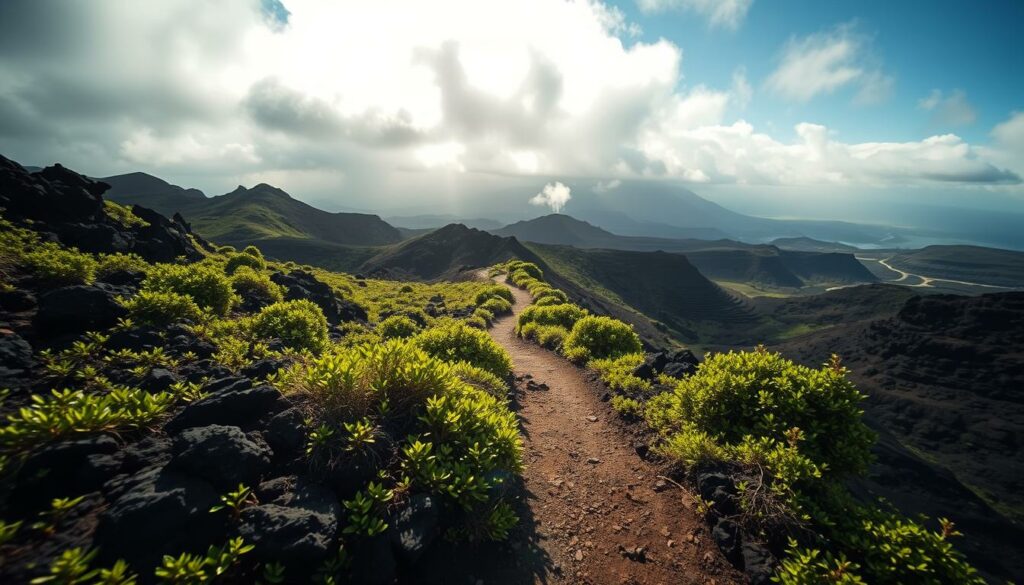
(593, 510)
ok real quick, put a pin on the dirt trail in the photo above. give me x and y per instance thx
(590, 500)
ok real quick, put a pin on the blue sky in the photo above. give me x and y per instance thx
(785, 108)
(944, 45)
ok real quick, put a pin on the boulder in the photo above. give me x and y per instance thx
(729, 540)
(286, 433)
(222, 455)
(300, 285)
(79, 308)
(135, 339)
(158, 380)
(758, 563)
(296, 522)
(15, 357)
(158, 512)
(260, 369)
(414, 527)
(226, 407)
(17, 300)
(67, 468)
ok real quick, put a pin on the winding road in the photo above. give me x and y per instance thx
(926, 281)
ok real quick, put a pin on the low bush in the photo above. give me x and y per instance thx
(600, 337)
(397, 326)
(494, 292)
(480, 378)
(549, 336)
(476, 322)
(484, 314)
(564, 316)
(627, 407)
(160, 309)
(111, 263)
(246, 282)
(300, 325)
(252, 251)
(556, 297)
(528, 268)
(497, 306)
(123, 215)
(205, 283)
(253, 261)
(53, 265)
(457, 342)
(618, 373)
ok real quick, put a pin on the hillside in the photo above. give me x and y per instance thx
(664, 287)
(283, 226)
(725, 260)
(942, 377)
(964, 263)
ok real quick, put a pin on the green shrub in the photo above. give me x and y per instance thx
(206, 284)
(298, 324)
(67, 413)
(739, 394)
(480, 378)
(56, 266)
(601, 337)
(256, 262)
(162, 308)
(111, 263)
(457, 342)
(494, 292)
(627, 407)
(550, 296)
(528, 268)
(497, 306)
(618, 373)
(484, 314)
(549, 336)
(564, 316)
(253, 251)
(476, 322)
(397, 326)
(247, 282)
(123, 215)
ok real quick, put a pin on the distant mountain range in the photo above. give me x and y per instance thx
(722, 259)
(247, 216)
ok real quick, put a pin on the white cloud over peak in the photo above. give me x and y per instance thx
(824, 62)
(722, 13)
(554, 195)
(949, 110)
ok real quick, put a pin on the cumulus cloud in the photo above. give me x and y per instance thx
(554, 195)
(824, 62)
(948, 110)
(723, 13)
(352, 101)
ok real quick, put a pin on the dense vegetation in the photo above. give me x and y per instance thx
(784, 435)
(402, 397)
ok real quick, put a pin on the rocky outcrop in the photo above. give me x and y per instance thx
(300, 285)
(69, 208)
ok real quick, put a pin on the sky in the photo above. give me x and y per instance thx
(787, 108)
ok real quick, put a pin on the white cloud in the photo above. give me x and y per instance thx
(554, 195)
(391, 106)
(951, 110)
(724, 13)
(606, 186)
(824, 62)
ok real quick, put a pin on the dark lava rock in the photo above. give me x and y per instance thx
(260, 369)
(758, 563)
(222, 455)
(17, 300)
(286, 432)
(642, 449)
(129, 278)
(227, 384)
(158, 512)
(298, 527)
(374, 562)
(414, 527)
(67, 468)
(679, 369)
(719, 489)
(727, 535)
(15, 357)
(135, 339)
(79, 308)
(158, 380)
(226, 407)
(153, 450)
(303, 285)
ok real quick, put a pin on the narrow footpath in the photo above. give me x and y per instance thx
(593, 511)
